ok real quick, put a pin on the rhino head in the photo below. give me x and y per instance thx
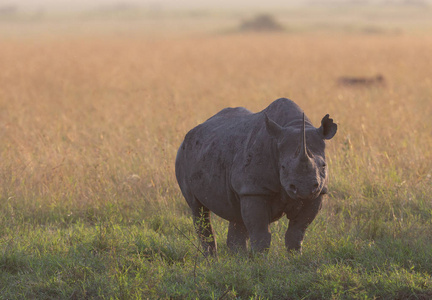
(302, 166)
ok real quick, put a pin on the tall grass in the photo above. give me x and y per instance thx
(89, 128)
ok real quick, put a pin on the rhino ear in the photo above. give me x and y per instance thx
(273, 129)
(328, 128)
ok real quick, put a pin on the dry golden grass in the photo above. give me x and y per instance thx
(90, 119)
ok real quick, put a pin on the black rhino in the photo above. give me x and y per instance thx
(253, 168)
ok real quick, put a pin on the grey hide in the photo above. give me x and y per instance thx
(253, 168)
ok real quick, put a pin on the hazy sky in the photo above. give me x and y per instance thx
(192, 4)
(67, 4)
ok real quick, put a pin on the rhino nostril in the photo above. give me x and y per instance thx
(293, 188)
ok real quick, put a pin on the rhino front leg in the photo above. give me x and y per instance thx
(298, 225)
(237, 236)
(255, 214)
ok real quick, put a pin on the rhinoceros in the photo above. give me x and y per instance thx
(253, 168)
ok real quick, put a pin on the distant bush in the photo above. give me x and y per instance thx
(262, 22)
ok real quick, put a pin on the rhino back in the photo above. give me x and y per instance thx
(205, 160)
(284, 112)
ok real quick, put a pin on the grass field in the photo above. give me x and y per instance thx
(89, 129)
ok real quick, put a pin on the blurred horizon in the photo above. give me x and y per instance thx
(20, 17)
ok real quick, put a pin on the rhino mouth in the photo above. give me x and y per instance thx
(294, 193)
(303, 197)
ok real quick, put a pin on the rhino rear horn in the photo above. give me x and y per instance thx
(328, 129)
(273, 129)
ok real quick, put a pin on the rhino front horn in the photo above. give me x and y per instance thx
(303, 148)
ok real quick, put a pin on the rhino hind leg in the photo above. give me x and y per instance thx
(237, 236)
(201, 218)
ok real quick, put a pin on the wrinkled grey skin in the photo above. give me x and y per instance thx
(251, 169)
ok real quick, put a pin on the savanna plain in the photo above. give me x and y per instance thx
(90, 122)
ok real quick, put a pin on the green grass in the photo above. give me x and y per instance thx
(355, 251)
